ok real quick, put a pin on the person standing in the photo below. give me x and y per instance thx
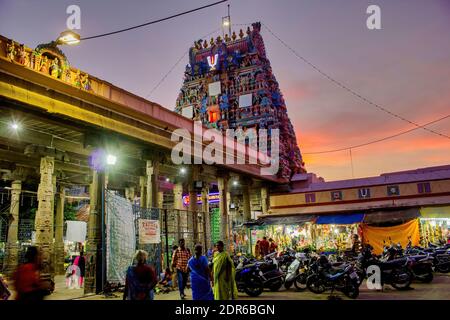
(140, 279)
(80, 262)
(224, 275)
(180, 263)
(264, 245)
(272, 246)
(200, 276)
(27, 282)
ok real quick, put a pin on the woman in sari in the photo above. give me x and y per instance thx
(224, 275)
(200, 276)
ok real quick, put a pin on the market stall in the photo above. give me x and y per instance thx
(434, 224)
(333, 233)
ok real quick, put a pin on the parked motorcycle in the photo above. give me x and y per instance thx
(248, 279)
(395, 272)
(325, 277)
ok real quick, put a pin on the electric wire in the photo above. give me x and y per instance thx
(379, 140)
(351, 91)
(154, 21)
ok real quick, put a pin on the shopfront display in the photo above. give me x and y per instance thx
(434, 225)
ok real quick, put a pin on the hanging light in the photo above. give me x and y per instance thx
(111, 159)
(68, 37)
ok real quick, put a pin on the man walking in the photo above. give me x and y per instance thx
(180, 260)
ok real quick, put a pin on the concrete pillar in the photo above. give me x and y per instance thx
(264, 196)
(143, 191)
(206, 217)
(59, 231)
(12, 243)
(223, 190)
(44, 215)
(93, 245)
(152, 183)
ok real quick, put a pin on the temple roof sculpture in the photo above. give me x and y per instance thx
(229, 84)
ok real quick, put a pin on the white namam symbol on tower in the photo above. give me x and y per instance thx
(212, 61)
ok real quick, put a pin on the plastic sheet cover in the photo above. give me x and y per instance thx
(120, 237)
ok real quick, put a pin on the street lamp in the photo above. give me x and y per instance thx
(183, 170)
(111, 159)
(15, 126)
(68, 37)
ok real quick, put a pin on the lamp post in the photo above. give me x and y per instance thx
(226, 23)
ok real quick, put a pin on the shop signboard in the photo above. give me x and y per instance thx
(149, 231)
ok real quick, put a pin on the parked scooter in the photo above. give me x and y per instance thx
(295, 269)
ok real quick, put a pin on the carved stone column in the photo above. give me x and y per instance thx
(12, 244)
(152, 183)
(44, 215)
(59, 231)
(264, 196)
(246, 201)
(178, 196)
(93, 245)
(206, 217)
(160, 199)
(129, 194)
(193, 207)
(223, 190)
(143, 191)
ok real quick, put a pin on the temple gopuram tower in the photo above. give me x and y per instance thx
(229, 84)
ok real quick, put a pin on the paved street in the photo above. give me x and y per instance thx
(439, 289)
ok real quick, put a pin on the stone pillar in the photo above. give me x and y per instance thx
(206, 217)
(152, 183)
(246, 202)
(129, 194)
(178, 205)
(143, 191)
(223, 190)
(193, 203)
(160, 199)
(12, 244)
(44, 215)
(93, 246)
(59, 231)
(264, 200)
(178, 196)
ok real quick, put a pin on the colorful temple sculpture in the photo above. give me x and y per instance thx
(229, 84)
(48, 59)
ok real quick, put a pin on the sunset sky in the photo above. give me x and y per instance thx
(405, 67)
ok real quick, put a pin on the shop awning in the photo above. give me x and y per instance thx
(340, 218)
(391, 216)
(435, 212)
(289, 220)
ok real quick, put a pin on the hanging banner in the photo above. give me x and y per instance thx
(149, 231)
(376, 236)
